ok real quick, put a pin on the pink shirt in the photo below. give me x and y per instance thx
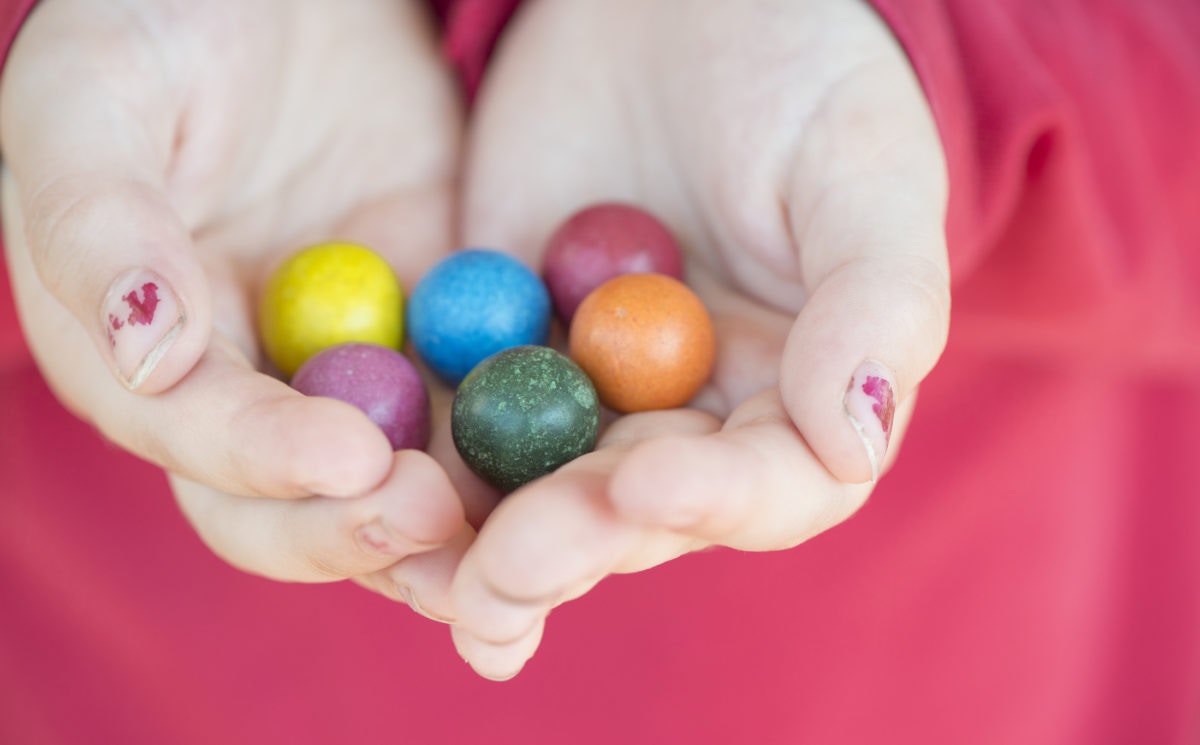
(1029, 573)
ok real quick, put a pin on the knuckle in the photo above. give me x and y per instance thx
(72, 220)
(323, 567)
(925, 289)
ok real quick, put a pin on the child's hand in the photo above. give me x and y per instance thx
(161, 156)
(790, 147)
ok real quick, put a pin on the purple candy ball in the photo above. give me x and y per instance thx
(380, 381)
(603, 241)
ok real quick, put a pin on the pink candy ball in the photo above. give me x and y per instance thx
(380, 381)
(601, 242)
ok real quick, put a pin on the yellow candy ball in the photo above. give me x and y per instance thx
(326, 295)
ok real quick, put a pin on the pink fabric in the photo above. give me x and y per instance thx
(473, 28)
(12, 346)
(1029, 573)
(12, 16)
(1071, 134)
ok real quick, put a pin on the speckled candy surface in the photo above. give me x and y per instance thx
(522, 413)
(473, 304)
(646, 341)
(603, 241)
(380, 381)
(326, 295)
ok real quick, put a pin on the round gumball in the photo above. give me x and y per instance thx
(473, 304)
(603, 241)
(326, 295)
(646, 341)
(522, 413)
(380, 381)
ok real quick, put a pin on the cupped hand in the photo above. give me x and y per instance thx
(161, 157)
(791, 149)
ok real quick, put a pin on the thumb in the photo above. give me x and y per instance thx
(866, 337)
(114, 253)
(87, 135)
(873, 243)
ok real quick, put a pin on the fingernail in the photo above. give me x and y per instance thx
(870, 404)
(410, 599)
(143, 318)
(378, 538)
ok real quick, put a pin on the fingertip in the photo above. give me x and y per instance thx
(847, 423)
(497, 662)
(113, 250)
(423, 580)
(432, 512)
(856, 352)
(322, 446)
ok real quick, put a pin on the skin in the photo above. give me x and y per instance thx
(205, 141)
(788, 145)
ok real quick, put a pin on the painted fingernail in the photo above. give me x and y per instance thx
(376, 537)
(143, 318)
(870, 404)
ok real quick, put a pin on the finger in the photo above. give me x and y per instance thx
(535, 548)
(422, 581)
(235, 429)
(498, 662)
(87, 128)
(552, 541)
(246, 433)
(510, 581)
(319, 539)
(866, 208)
(753, 486)
(554, 538)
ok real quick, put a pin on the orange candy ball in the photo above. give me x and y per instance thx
(645, 340)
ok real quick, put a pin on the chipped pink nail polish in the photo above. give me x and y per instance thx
(142, 318)
(376, 536)
(870, 404)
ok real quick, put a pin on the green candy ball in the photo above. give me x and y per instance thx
(522, 413)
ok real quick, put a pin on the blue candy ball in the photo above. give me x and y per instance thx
(473, 304)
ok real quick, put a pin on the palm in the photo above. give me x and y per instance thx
(782, 142)
(289, 134)
(264, 125)
(743, 192)
(354, 141)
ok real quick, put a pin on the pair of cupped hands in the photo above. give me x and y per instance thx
(788, 146)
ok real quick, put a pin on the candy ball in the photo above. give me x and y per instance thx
(603, 241)
(326, 295)
(378, 380)
(646, 341)
(473, 304)
(522, 413)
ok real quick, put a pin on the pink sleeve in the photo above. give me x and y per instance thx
(1072, 132)
(1097, 94)
(12, 346)
(1095, 106)
(472, 28)
(12, 15)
